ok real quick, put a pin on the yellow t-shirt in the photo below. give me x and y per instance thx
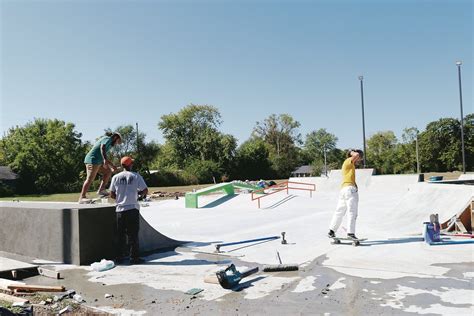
(348, 173)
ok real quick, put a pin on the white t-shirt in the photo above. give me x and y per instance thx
(126, 186)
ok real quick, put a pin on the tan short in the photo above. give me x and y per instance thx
(93, 170)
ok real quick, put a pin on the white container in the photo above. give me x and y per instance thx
(103, 265)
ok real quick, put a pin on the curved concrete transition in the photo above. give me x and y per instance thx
(150, 239)
(68, 232)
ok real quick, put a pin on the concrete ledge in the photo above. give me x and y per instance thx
(68, 232)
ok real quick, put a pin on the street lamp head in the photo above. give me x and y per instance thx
(361, 78)
(458, 62)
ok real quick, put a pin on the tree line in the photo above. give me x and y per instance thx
(47, 154)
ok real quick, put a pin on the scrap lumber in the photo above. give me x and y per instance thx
(211, 279)
(36, 288)
(4, 283)
(12, 299)
(49, 273)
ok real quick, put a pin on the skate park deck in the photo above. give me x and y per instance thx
(391, 212)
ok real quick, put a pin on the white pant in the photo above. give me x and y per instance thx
(348, 200)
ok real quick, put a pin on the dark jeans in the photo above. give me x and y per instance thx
(128, 223)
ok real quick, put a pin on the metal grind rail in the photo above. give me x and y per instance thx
(282, 186)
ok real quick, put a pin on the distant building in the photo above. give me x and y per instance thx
(8, 181)
(303, 171)
(7, 175)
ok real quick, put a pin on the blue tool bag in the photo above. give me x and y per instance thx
(431, 232)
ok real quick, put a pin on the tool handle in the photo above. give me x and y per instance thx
(248, 272)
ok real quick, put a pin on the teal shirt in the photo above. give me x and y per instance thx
(94, 156)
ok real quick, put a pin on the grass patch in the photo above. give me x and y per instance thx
(73, 197)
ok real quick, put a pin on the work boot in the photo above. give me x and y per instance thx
(331, 234)
(136, 260)
(352, 236)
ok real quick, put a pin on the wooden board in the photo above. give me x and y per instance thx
(49, 273)
(36, 288)
(7, 265)
(211, 279)
(12, 299)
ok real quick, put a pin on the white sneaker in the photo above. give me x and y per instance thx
(85, 201)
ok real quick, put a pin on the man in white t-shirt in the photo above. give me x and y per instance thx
(125, 188)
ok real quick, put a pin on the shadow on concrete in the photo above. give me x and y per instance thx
(282, 201)
(391, 241)
(247, 284)
(219, 201)
(186, 262)
(66, 235)
(254, 244)
(202, 244)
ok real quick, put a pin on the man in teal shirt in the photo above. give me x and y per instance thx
(96, 162)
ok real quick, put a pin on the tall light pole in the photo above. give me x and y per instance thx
(417, 157)
(325, 162)
(361, 79)
(459, 63)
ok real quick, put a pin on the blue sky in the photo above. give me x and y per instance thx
(101, 64)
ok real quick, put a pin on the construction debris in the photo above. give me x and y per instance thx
(49, 273)
(161, 194)
(12, 299)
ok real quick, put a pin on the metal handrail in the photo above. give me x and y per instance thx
(281, 187)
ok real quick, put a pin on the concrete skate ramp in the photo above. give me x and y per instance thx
(68, 232)
(334, 180)
(423, 199)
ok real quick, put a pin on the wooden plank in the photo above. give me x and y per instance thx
(211, 279)
(460, 226)
(472, 216)
(12, 299)
(36, 288)
(49, 273)
(7, 265)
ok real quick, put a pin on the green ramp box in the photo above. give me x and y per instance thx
(191, 198)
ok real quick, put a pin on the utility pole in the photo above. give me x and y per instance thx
(459, 63)
(361, 79)
(137, 139)
(417, 157)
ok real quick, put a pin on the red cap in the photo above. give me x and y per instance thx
(126, 161)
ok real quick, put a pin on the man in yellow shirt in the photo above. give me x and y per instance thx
(348, 196)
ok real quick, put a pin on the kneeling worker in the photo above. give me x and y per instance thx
(125, 188)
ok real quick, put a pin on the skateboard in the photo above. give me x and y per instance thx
(90, 201)
(354, 242)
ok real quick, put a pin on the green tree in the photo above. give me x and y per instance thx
(46, 154)
(317, 144)
(143, 152)
(381, 151)
(469, 141)
(440, 145)
(281, 134)
(252, 160)
(405, 156)
(192, 132)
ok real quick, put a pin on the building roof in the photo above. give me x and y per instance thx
(304, 169)
(7, 174)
